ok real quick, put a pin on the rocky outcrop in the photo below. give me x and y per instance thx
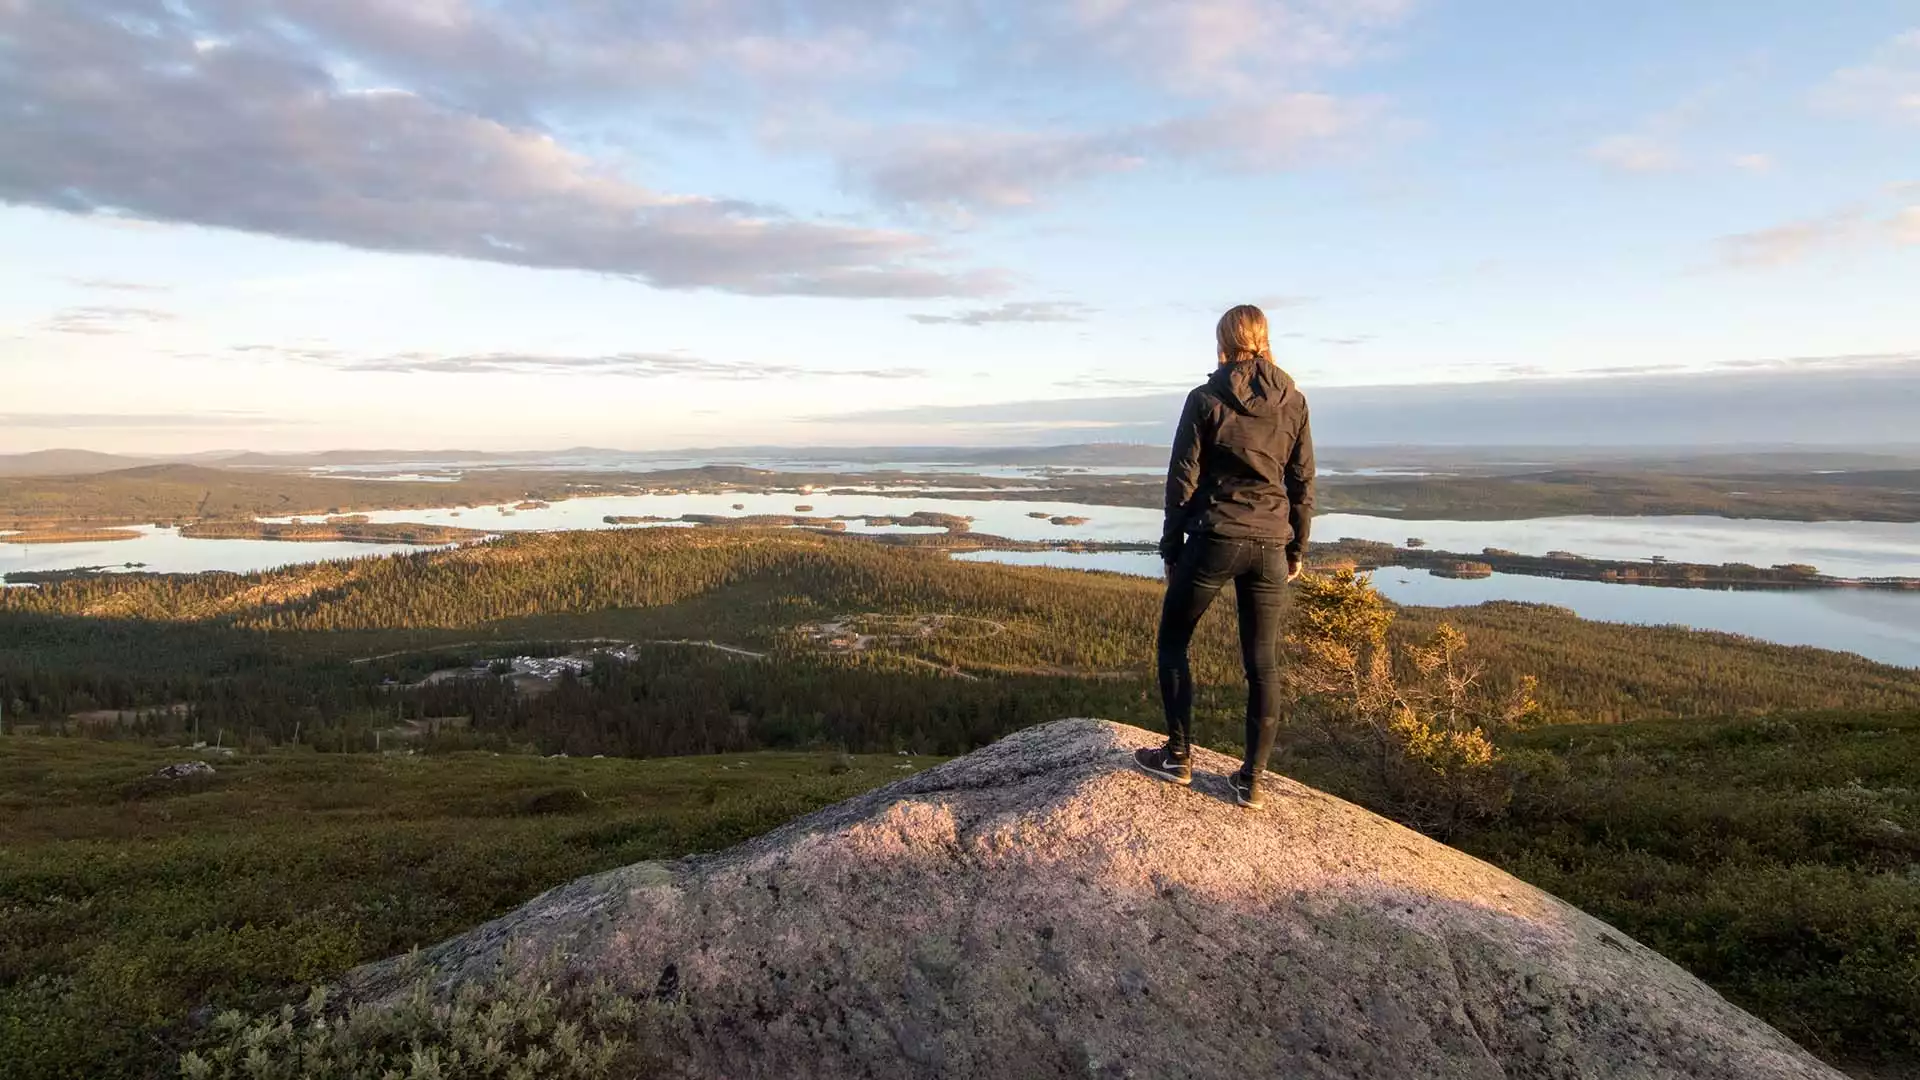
(1040, 909)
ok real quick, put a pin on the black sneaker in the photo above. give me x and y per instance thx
(1245, 792)
(1160, 763)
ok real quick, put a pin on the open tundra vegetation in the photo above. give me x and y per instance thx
(401, 748)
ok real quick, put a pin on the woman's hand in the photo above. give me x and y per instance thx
(1296, 565)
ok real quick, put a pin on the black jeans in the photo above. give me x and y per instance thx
(1258, 570)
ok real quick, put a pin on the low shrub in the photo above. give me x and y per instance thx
(512, 1028)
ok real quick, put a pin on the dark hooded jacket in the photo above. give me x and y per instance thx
(1242, 461)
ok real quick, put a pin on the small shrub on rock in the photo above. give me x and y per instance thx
(1421, 716)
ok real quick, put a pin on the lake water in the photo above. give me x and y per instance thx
(1881, 625)
(1844, 548)
(165, 551)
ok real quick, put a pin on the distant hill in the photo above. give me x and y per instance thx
(180, 491)
(255, 459)
(1141, 454)
(65, 463)
(1066, 454)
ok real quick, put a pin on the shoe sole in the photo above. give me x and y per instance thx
(1171, 778)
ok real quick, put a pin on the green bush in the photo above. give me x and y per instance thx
(1420, 718)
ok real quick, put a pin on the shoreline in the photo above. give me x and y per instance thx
(957, 535)
(187, 494)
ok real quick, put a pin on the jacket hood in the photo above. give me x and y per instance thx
(1252, 387)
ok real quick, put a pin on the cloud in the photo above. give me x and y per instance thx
(961, 170)
(1825, 362)
(1633, 153)
(135, 108)
(1786, 244)
(1834, 401)
(1122, 385)
(109, 285)
(636, 365)
(1348, 340)
(1275, 133)
(1026, 311)
(1906, 226)
(160, 421)
(511, 59)
(431, 127)
(957, 169)
(1232, 48)
(1282, 301)
(103, 320)
(1885, 84)
(1669, 138)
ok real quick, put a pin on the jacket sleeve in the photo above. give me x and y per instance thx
(1300, 471)
(1183, 477)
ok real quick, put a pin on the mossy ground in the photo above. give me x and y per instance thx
(1775, 858)
(126, 903)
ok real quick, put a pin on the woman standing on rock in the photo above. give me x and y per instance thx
(1239, 507)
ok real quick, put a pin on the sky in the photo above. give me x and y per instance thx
(494, 224)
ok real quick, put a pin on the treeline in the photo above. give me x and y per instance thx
(252, 645)
(1889, 495)
(1374, 554)
(170, 494)
(360, 531)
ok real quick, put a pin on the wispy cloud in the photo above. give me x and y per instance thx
(1343, 341)
(1906, 226)
(103, 320)
(156, 421)
(1887, 83)
(1678, 136)
(1112, 384)
(1826, 362)
(1634, 153)
(1216, 48)
(959, 171)
(109, 285)
(634, 365)
(1026, 311)
(1783, 245)
(1282, 301)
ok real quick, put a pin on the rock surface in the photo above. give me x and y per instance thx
(1039, 908)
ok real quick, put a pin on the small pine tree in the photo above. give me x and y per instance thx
(1421, 714)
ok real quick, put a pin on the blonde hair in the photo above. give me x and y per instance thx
(1242, 335)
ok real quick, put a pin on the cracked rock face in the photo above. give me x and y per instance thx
(1039, 908)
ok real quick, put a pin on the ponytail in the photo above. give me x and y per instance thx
(1242, 336)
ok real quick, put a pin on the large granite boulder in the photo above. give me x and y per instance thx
(1039, 909)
